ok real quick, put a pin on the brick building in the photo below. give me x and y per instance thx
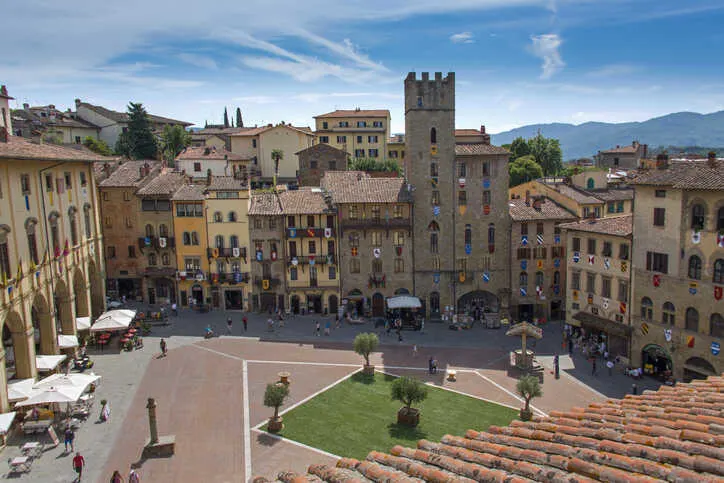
(318, 159)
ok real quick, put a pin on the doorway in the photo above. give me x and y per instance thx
(197, 294)
(378, 305)
(314, 304)
(233, 300)
(295, 304)
(333, 305)
(151, 295)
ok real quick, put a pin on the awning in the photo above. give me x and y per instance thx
(67, 341)
(404, 302)
(6, 420)
(48, 363)
(83, 323)
(604, 325)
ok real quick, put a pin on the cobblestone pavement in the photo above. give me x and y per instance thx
(200, 391)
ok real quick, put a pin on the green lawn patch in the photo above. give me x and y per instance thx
(357, 416)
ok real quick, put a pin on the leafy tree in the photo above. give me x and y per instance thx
(52, 137)
(547, 153)
(173, 140)
(408, 391)
(519, 147)
(97, 146)
(226, 118)
(372, 164)
(239, 120)
(528, 387)
(524, 169)
(365, 344)
(138, 142)
(274, 397)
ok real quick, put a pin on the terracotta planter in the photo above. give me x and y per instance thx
(368, 370)
(526, 415)
(275, 424)
(408, 417)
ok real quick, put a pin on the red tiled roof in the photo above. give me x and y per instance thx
(190, 192)
(357, 113)
(673, 434)
(614, 225)
(360, 187)
(622, 149)
(128, 174)
(303, 201)
(201, 153)
(123, 116)
(258, 130)
(22, 149)
(164, 185)
(324, 147)
(477, 149)
(519, 211)
(693, 175)
(467, 132)
(265, 204)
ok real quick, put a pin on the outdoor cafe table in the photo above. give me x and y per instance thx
(20, 463)
(32, 449)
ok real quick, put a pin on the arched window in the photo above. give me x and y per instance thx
(718, 271)
(5, 253)
(187, 238)
(697, 217)
(720, 219)
(539, 279)
(433, 136)
(434, 228)
(218, 218)
(716, 326)
(590, 183)
(149, 230)
(162, 230)
(87, 219)
(232, 216)
(647, 309)
(468, 235)
(219, 241)
(234, 241)
(435, 302)
(491, 237)
(523, 279)
(692, 319)
(433, 170)
(194, 238)
(152, 260)
(30, 225)
(556, 278)
(377, 266)
(695, 267)
(72, 220)
(668, 314)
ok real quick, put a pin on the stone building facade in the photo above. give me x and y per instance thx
(538, 251)
(460, 192)
(268, 253)
(623, 157)
(318, 159)
(376, 252)
(679, 269)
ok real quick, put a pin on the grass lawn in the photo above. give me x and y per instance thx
(358, 415)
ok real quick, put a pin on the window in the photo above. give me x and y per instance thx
(647, 309)
(354, 265)
(73, 221)
(165, 259)
(524, 228)
(25, 183)
(162, 230)
(523, 279)
(436, 264)
(435, 302)
(540, 253)
(372, 139)
(219, 242)
(55, 233)
(341, 139)
(399, 265)
(398, 238)
(695, 267)
(186, 238)
(435, 198)
(325, 125)
(312, 248)
(462, 198)
(660, 193)
(668, 314)
(433, 242)
(111, 251)
(353, 212)
(49, 185)
(623, 249)
(397, 212)
(332, 272)
(611, 207)
(607, 249)
(692, 319)
(556, 278)
(697, 217)
(433, 136)
(333, 165)
(373, 153)
(359, 141)
(720, 219)
(291, 223)
(152, 260)
(468, 234)
(462, 170)
(524, 253)
(377, 265)
(69, 181)
(361, 123)
(324, 139)
(293, 274)
(659, 216)
(189, 210)
(197, 167)
(605, 287)
(310, 220)
(486, 197)
(376, 238)
(486, 168)
(539, 229)
(253, 143)
(354, 239)
(343, 124)
(576, 242)
(576, 280)
(376, 214)
(491, 237)
(257, 223)
(657, 262)
(716, 326)
(558, 252)
(622, 291)
(718, 271)
(434, 170)
(376, 123)
(330, 248)
(292, 248)
(591, 246)
(590, 184)
(192, 264)
(619, 207)
(32, 241)
(194, 238)
(131, 251)
(231, 216)
(590, 282)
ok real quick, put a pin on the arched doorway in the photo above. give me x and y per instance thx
(698, 368)
(332, 304)
(294, 304)
(378, 305)
(65, 322)
(355, 303)
(98, 303)
(44, 331)
(478, 300)
(80, 291)
(19, 349)
(655, 360)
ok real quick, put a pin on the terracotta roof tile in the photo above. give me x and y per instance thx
(691, 175)
(201, 153)
(123, 116)
(356, 113)
(303, 201)
(190, 192)
(22, 149)
(478, 149)
(265, 204)
(165, 184)
(225, 183)
(360, 187)
(614, 225)
(519, 211)
(128, 174)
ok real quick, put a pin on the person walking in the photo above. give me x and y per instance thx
(105, 411)
(414, 350)
(317, 328)
(78, 465)
(133, 477)
(430, 364)
(228, 325)
(556, 366)
(68, 439)
(609, 364)
(164, 349)
(174, 309)
(593, 366)
(116, 477)
(634, 389)
(245, 321)
(327, 327)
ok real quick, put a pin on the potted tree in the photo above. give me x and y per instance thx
(274, 397)
(408, 391)
(528, 387)
(364, 345)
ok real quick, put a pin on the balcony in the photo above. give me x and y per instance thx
(273, 282)
(230, 277)
(156, 242)
(377, 223)
(226, 253)
(318, 260)
(293, 232)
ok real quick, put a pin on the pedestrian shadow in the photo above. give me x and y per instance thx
(265, 439)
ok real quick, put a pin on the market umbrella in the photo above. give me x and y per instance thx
(82, 323)
(113, 320)
(20, 389)
(72, 380)
(46, 363)
(67, 341)
(60, 394)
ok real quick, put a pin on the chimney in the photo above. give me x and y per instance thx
(482, 129)
(537, 203)
(146, 169)
(662, 161)
(4, 91)
(107, 169)
(527, 198)
(209, 177)
(26, 106)
(51, 107)
(4, 134)
(141, 172)
(646, 151)
(711, 159)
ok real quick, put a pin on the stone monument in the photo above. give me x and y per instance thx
(157, 447)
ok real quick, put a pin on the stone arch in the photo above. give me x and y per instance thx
(45, 338)
(98, 304)
(65, 320)
(698, 368)
(80, 290)
(482, 299)
(18, 345)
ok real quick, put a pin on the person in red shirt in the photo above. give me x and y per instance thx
(78, 464)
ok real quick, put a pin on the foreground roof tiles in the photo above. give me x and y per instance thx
(692, 175)
(22, 149)
(673, 434)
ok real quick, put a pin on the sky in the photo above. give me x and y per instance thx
(516, 62)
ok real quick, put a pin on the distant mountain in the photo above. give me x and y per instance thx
(585, 140)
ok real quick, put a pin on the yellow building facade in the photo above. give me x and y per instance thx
(51, 259)
(362, 133)
(189, 223)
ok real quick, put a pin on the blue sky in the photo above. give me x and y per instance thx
(516, 61)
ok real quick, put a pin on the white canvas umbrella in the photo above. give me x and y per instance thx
(20, 389)
(113, 320)
(47, 363)
(60, 394)
(73, 380)
(6, 420)
(83, 323)
(67, 341)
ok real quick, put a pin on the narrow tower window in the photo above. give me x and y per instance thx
(433, 136)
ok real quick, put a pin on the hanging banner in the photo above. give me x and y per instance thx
(576, 257)
(327, 233)
(330, 259)
(274, 256)
(436, 277)
(606, 263)
(591, 259)
(718, 291)
(462, 209)
(622, 307)
(259, 255)
(215, 253)
(715, 348)
(539, 239)
(656, 280)
(310, 232)
(557, 239)
(624, 266)
(461, 182)
(162, 242)
(376, 252)
(265, 284)
(720, 240)
(436, 210)
(575, 295)
(434, 181)
(468, 248)
(523, 292)
(398, 250)
(604, 304)
(539, 264)
(461, 277)
(524, 240)
(292, 233)
(696, 237)
(486, 209)
(147, 241)
(557, 262)
(693, 286)
(557, 289)
(295, 261)
(486, 277)
(235, 252)
(524, 264)
(644, 328)
(312, 260)
(667, 335)
(690, 341)
(354, 251)
(486, 183)
(433, 150)
(590, 299)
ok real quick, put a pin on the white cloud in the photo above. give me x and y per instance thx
(547, 48)
(462, 38)
(197, 60)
